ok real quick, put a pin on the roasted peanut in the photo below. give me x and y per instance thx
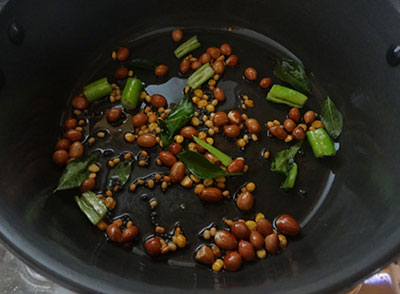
(294, 114)
(211, 194)
(121, 73)
(63, 144)
(232, 60)
(246, 250)
(232, 261)
(232, 131)
(189, 132)
(161, 70)
(278, 132)
(225, 240)
(80, 103)
(288, 225)
(87, 185)
(177, 172)
(214, 52)
(114, 233)
(309, 117)
(70, 123)
(250, 73)
(265, 83)
(177, 35)
(129, 233)
(114, 114)
(299, 133)
(220, 119)
(146, 140)
(245, 201)
(73, 135)
(256, 239)
(264, 227)
(236, 165)
(158, 101)
(139, 119)
(167, 158)
(123, 54)
(175, 148)
(185, 66)
(219, 94)
(60, 157)
(252, 125)
(234, 117)
(272, 243)
(205, 58)
(153, 246)
(205, 255)
(76, 150)
(240, 230)
(226, 49)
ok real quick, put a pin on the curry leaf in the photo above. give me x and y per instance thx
(293, 73)
(331, 118)
(76, 172)
(119, 174)
(290, 178)
(225, 159)
(198, 165)
(179, 116)
(283, 160)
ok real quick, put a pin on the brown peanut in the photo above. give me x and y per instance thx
(278, 132)
(225, 240)
(240, 230)
(288, 225)
(177, 172)
(205, 255)
(211, 194)
(189, 132)
(146, 140)
(272, 243)
(158, 101)
(236, 165)
(246, 250)
(167, 158)
(139, 119)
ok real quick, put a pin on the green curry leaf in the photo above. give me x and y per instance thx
(76, 172)
(119, 174)
(179, 116)
(293, 73)
(198, 165)
(331, 118)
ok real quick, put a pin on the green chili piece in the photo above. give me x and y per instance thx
(131, 93)
(290, 178)
(91, 206)
(203, 74)
(284, 95)
(97, 89)
(187, 47)
(225, 159)
(321, 143)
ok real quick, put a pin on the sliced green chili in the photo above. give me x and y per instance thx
(225, 159)
(131, 93)
(321, 143)
(284, 95)
(203, 74)
(290, 178)
(97, 89)
(187, 47)
(91, 206)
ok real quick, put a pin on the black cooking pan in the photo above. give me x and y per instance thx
(50, 49)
